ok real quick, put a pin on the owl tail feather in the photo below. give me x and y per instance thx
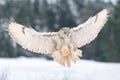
(68, 59)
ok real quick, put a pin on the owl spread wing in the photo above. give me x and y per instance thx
(88, 31)
(32, 40)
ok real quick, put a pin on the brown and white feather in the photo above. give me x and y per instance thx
(88, 31)
(32, 40)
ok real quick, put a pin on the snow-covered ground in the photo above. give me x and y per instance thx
(41, 69)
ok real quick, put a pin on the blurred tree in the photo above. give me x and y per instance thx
(111, 42)
(66, 17)
(36, 7)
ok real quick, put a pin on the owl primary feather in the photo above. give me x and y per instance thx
(62, 45)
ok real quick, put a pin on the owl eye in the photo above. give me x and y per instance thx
(64, 32)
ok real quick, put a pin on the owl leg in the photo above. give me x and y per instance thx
(65, 50)
(78, 53)
(56, 56)
(66, 56)
(59, 58)
(75, 50)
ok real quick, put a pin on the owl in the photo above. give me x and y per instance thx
(62, 45)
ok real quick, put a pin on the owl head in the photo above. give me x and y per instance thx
(64, 32)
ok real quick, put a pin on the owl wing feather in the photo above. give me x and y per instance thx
(88, 31)
(32, 40)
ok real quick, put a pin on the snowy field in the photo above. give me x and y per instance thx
(41, 69)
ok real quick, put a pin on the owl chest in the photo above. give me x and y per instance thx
(66, 41)
(61, 42)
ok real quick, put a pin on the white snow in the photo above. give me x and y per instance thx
(41, 69)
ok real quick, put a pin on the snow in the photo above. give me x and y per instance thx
(41, 69)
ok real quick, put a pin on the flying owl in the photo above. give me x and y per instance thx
(62, 45)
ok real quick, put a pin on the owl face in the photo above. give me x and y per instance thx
(64, 32)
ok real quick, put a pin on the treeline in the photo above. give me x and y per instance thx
(51, 15)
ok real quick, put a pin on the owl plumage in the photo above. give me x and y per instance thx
(62, 45)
